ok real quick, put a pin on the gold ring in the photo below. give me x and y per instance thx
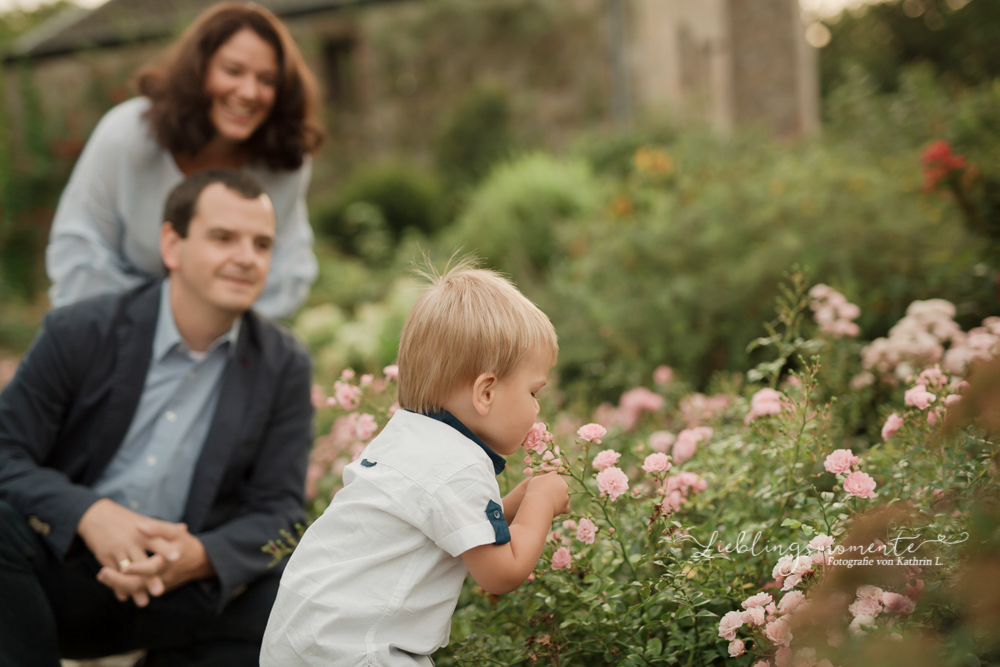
(123, 563)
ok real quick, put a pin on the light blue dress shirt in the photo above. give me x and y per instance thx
(151, 472)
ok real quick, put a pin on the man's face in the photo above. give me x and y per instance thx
(223, 261)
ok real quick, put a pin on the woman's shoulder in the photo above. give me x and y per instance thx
(126, 123)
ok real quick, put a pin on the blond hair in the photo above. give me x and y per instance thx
(467, 322)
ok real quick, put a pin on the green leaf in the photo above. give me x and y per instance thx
(654, 647)
(808, 530)
(791, 523)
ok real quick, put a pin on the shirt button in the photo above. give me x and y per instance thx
(151, 460)
(170, 416)
(496, 514)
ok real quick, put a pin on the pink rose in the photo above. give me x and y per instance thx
(858, 625)
(791, 601)
(660, 441)
(656, 463)
(896, 604)
(391, 372)
(892, 425)
(919, 397)
(860, 484)
(778, 632)
(841, 461)
(736, 648)
(932, 377)
(606, 459)
(586, 531)
(569, 524)
(765, 402)
(561, 558)
(821, 543)
(729, 624)
(806, 657)
(317, 396)
(365, 427)
(687, 442)
(366, 379)
(870, 592)
(536, 440)
(783, 657)
(754, 616)
(347, 374)
(672, 502)
(865, 607)
(346, 395)
(758, 600)
(952, 399)
(663, 374)
(684, 449)
(592, 433)
(613, 482)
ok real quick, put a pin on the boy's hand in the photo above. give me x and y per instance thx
(554, 488)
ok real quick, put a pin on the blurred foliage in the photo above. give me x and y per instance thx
(513, 217)
(957, 38)
(476, 135)
(377, 206)
(670, 246)
(15, 22)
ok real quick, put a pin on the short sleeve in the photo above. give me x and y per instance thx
(458, 520)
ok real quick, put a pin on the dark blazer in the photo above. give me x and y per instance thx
(71, 402)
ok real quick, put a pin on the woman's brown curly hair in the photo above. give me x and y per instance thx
(175, 84)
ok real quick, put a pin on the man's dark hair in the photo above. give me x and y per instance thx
(183, 199)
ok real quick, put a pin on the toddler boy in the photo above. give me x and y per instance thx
(375, 580)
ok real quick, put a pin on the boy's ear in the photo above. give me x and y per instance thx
(483, 393)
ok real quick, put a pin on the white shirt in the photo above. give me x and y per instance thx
(106, 231)
(375, 580)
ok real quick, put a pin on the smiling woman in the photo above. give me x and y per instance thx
(234, 92)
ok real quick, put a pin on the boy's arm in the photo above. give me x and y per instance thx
(501, 568)
(512, 501)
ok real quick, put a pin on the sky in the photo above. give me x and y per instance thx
(817, 7)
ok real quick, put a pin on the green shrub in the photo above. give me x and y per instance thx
(475, 137)
(685, 278)
(511, 220)
(394, 198)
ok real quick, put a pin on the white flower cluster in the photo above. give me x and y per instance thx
(926, 336)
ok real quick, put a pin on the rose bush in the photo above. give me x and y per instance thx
(698, 536)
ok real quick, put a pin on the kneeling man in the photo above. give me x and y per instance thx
(150, 444)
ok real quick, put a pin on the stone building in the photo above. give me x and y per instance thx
(391, 70)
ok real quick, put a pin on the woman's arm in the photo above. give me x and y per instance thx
(293, 265)
(84, 256)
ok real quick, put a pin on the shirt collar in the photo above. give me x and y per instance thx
(167, 336)
(443, 416)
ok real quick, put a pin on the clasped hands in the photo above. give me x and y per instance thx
(141, 557)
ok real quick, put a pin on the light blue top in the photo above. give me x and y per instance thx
(106, 231)
(151, 472)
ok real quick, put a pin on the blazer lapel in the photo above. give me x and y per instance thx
(227, 426)
(133, 339)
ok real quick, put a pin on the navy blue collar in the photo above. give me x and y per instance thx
(451, 420)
